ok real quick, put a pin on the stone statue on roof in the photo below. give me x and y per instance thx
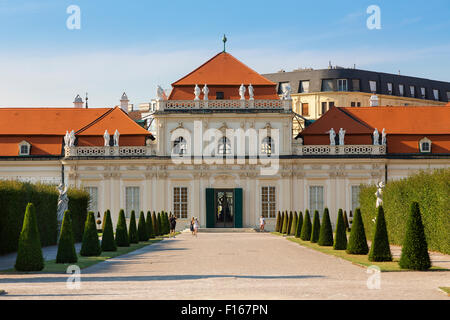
(197, 92)
(251, 92)
(332, 137)
(287, 92)
(106, 137)
(159, 93)
(376, 137)
(341, 136)
(205, 91)
(67, 138)
(242, 91)
(383, 137)
(72, 139)
(116, 138)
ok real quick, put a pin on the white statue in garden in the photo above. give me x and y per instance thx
(341, 136)
(116, 138)
(197, 92)
(106, 137)
(251, 92)
(63, 205)
(332, 137)
(383, 137)
(379, 194)
(242, 92)
(376, 137)
(205, 91)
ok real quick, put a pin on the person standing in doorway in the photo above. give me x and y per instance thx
(196, 226)
(173, 223)
(262, 223)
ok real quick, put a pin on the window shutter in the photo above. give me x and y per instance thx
(210, 216)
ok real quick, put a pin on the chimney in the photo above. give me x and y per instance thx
(374, 100)
(78, 102)
(124, 103)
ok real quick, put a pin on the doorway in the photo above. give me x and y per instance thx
(224, 208)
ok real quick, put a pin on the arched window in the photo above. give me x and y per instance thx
(425, 145)
(224, 146)
(267, 146)
(179, 146)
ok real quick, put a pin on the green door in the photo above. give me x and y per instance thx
(238, 208)
(210, 217)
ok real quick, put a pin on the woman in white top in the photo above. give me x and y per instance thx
(195, 226)
(262, 223)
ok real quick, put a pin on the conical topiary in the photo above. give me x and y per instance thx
(298, 230)
(122, 239)
(104, 220)
(166, 222)
(29, 251)
(357, 244)
(340, 239)
(281, 222)
(142, 228)
(90, 245)
(108, 242)
(346, 224)
(415, 248)
(132, 232)
(380, 249)
(293, 224)
(155, 223)
(160, 229)
(326, 230)
(66, 245)
(306, 227)
(149, 226)
(290, 219)
(315, 232)
(285, 223)
(277, 225)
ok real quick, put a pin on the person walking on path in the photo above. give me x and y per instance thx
(192, 225)
(262, 223)
(173, 223)
(195, 227)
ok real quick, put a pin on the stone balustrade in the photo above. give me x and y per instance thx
(271, 104)
(339, 150)
(125, 151)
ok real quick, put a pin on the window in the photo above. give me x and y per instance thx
(179, 146)
(355, 197)
(352, 104)
(303, 87)
(412, 90)
(268, 202)
(93, 199)
(131, 200)
(342, 85)
(330, 105)
(373, 86)
(267, 146)
(180, 202)
(219, 95)
(324, 107)
(316, 199)
(389, 87)
(224, 146)
(24, 148)
(401, 90)
(355, 83)
(358, 104)
(327, 85)
(305, 109)
(282, 87)
(425, 145)
(448, 95)
(436, 94)
(423, 93)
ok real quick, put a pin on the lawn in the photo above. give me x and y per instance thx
(361, 260)
(446, 290)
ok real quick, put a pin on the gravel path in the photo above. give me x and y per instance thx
(226, 266)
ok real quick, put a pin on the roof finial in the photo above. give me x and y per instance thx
(87, 101)
(224, 39)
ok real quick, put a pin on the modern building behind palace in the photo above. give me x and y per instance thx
(162, 164)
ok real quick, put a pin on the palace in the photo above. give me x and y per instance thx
(221, 148)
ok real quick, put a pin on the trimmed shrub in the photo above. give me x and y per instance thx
(166, 222)
(29, 254)
(132, 233)
(290, 219)
(122, 239)
(315, 227)
(281, 222)
(285, 223)
(346, 224)
(380, 250)
(160, 226)
(66, 246)
(149, 226)
(142, 228)
(326, 230)
(415, 249)
(277, 225)
(104, 219)
(108, 242)
(357, 244)
(293, 224)
(298, 229)
(340, 239)
(306, 227)
(431, 189)
(155, 223)
(78, 207)
(90, 245)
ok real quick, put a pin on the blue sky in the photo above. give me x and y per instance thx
(135, 45)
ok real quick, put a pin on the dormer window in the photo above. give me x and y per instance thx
(425, 145)
(24, 148)
(219, 95)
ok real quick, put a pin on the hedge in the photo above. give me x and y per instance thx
(78, 207)
(431, 189)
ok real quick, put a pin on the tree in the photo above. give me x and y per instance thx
(29, 252)
(155, 223)
(326, 230)
(294, 224)
(149, 225)
(380, 249)
(298, 230)
(340, 240)
(415, 248)
(315, 227)
(90, 246)
(122, 239)
(66, 245)
(357, 244)
(285, 222)
(108, 242)
(306, 227)
(132, 233)
(277, 225)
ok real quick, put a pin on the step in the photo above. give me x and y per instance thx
(223, 230)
